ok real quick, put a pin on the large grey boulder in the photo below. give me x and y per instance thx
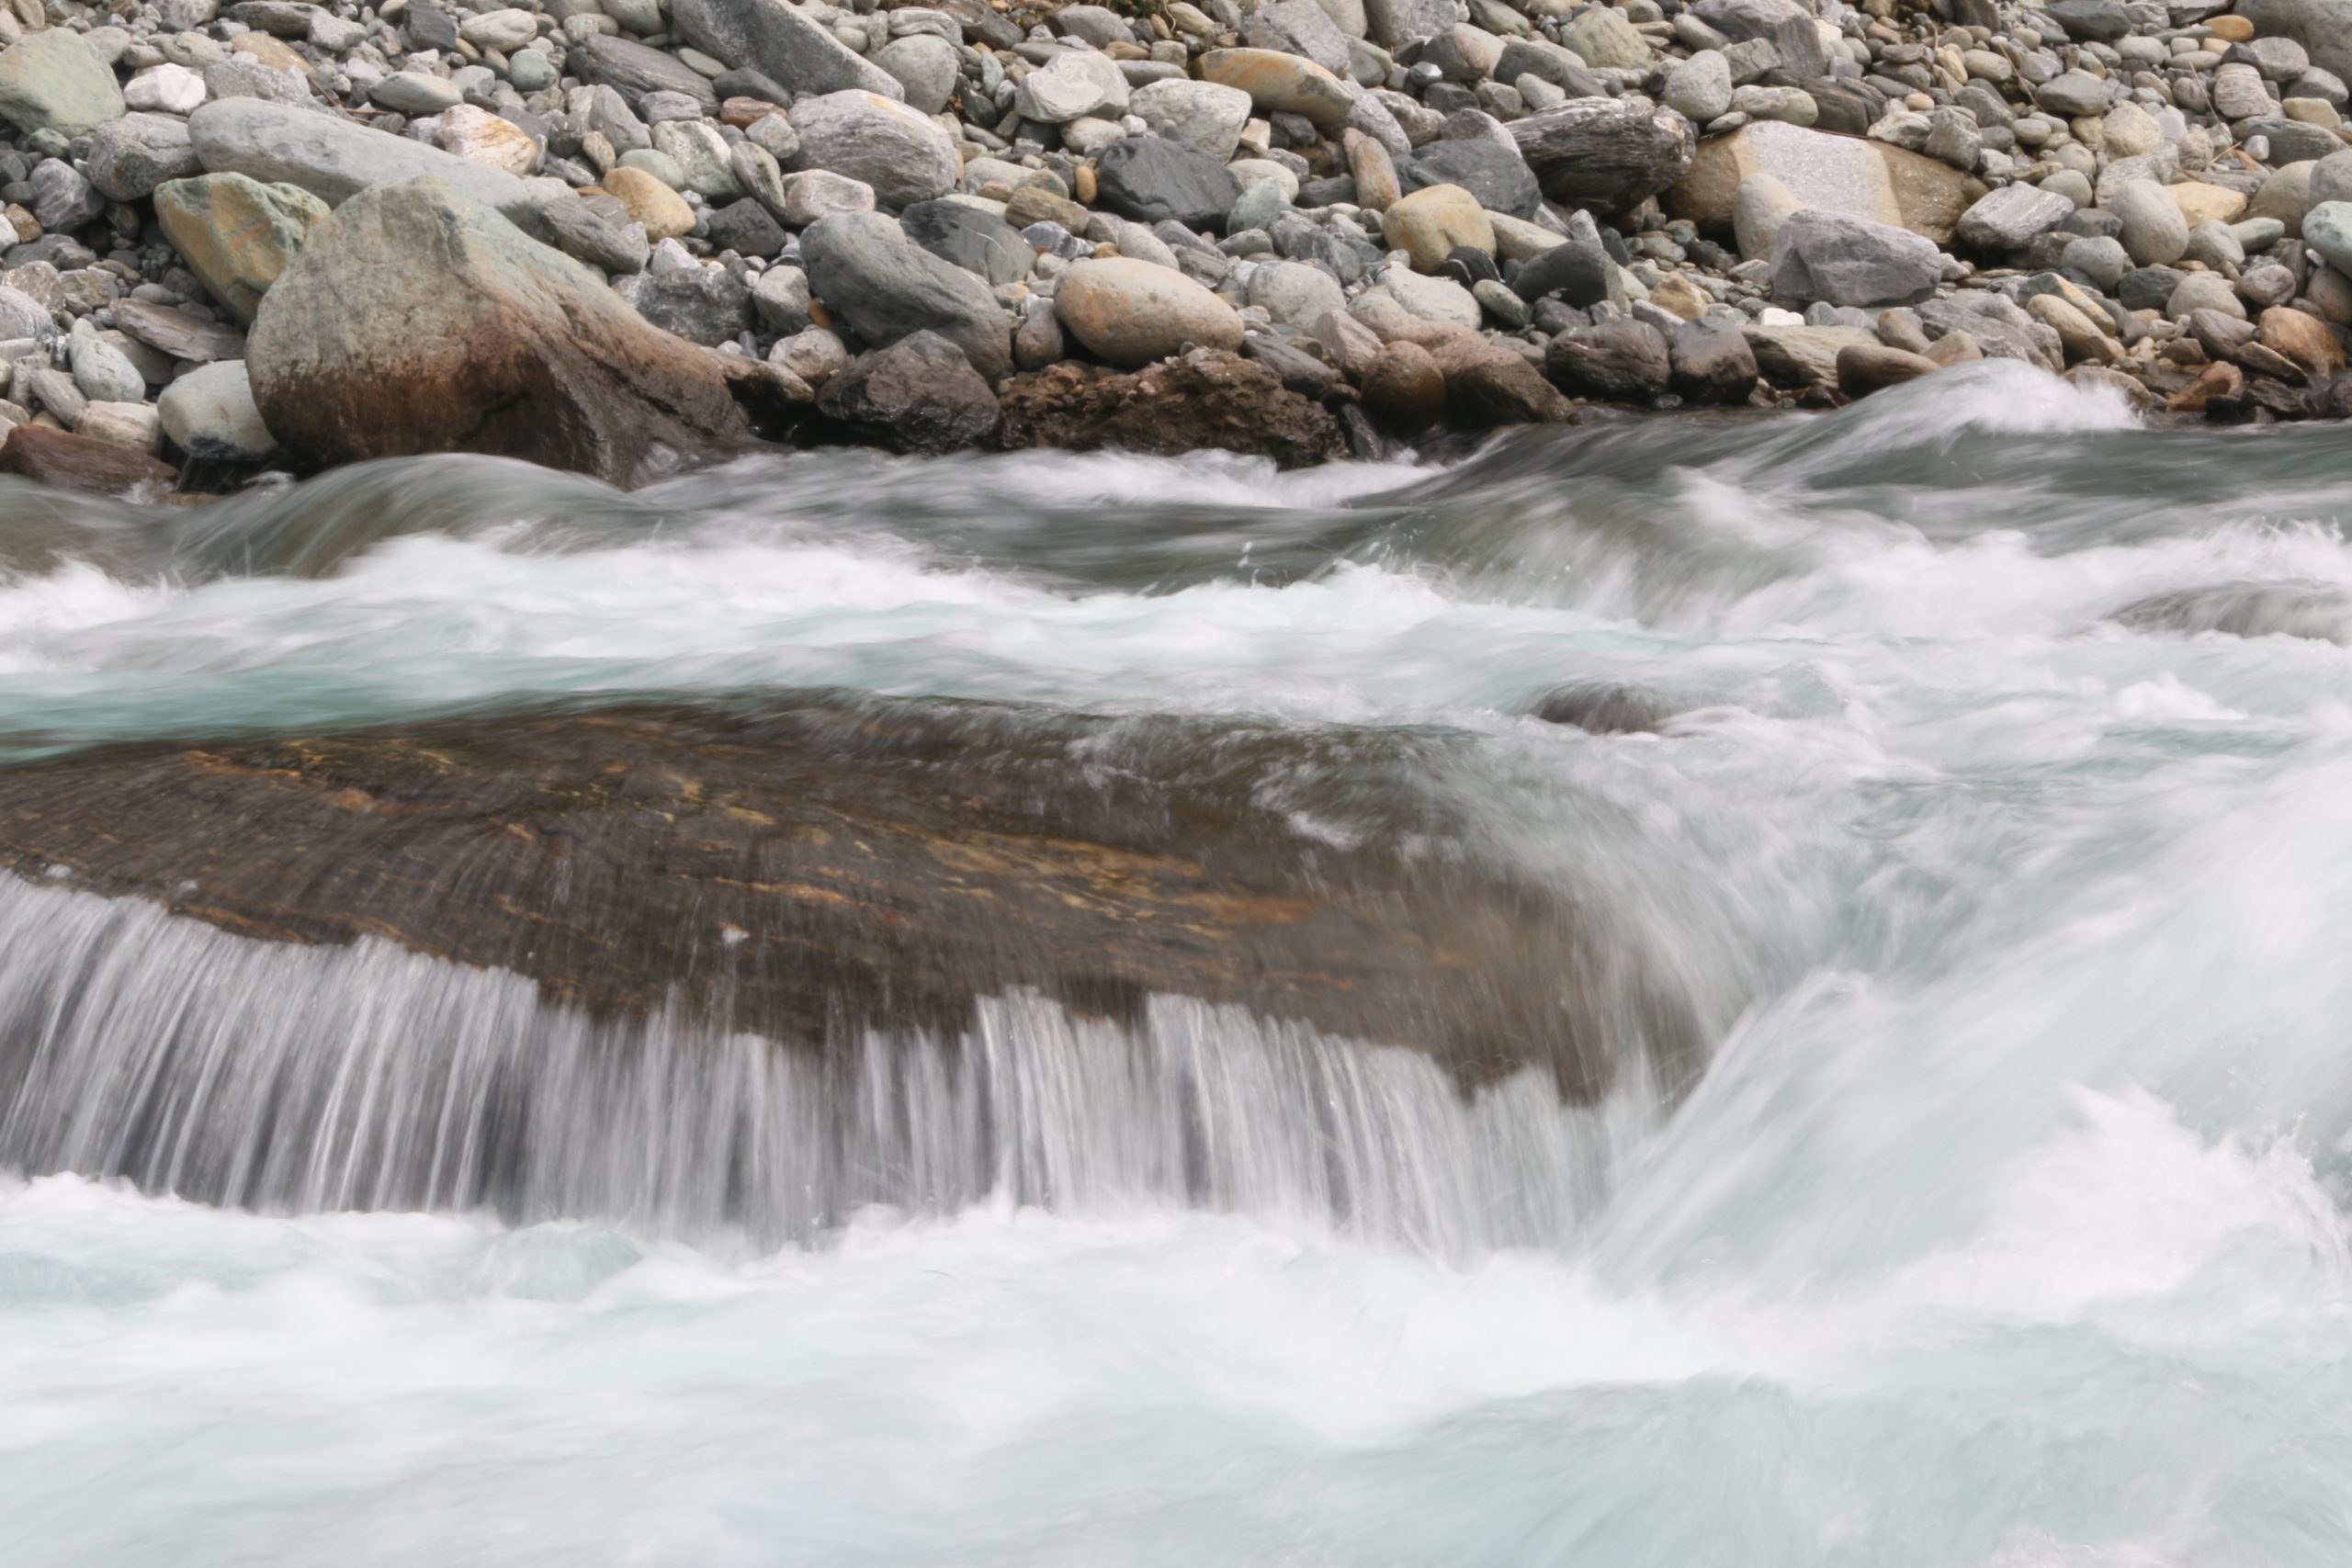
(1392, 22)
(52, 80)
(1200, 114)
(2008, 219)
(1496, 177)
(415, 319)
(2075, 94)
(902, 154)
(633, 70)
(1302, 27)
(1609, 152)
(335, 160)
(1148, 178)
(1616, 362)
(1843, 260)
(2327, 228)
(707, 305)
(782, 41)
(918, 395)
(883, 286)
(924, 65)
(1700, 87)
(130, 156)
(956, 229)
(1787, 25)
(2322, 27)
(2155, 231)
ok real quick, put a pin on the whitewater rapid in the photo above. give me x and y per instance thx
(1997, 825)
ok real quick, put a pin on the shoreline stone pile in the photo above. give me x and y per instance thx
(619, 235)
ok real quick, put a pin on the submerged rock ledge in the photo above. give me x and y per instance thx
(808, 868)
(975, 224)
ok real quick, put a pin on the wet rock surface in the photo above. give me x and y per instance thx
(808, 867)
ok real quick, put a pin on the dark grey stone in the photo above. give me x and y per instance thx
(883, 286)
(1497, 176)
(2091, 21)
(1618, 362)
(1579, 274)
(1148, 178)
(1712, 364)
(746, 228)
(975, 241)
(429, 26)
(707, 305)
(782, 41)
(918, 395)
(634, 70)
(1843, 260)
(2148, 288)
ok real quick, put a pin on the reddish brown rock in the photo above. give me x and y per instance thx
(1489, 386)
(1207, 399)
(68, 461)
(1864, 368)
(2221, 379)
(2303, 340)
(417, 320)
(1404, 389)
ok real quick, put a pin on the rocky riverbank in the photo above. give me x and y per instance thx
(620, 236)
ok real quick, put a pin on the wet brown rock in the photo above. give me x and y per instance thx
(2222, 380)
(1618, 361)
(1867, 367)
(1487, 386)
(1712, 364)
(1207, 399)
(809, 867)
(1404, 389)
(918, 395)
(1601, 709)
(68, 461)
(2305, 341)
(417, 320)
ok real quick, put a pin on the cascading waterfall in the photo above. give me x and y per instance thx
(1974, 777)
(136, 1043)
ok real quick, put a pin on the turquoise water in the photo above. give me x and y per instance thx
(1997, 833)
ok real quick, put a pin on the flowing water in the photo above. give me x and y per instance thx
(1994, 832)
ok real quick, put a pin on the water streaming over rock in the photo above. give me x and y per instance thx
(1981, 796)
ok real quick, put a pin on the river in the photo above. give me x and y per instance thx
(1990, 831)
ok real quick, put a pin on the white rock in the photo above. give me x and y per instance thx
(209, 412)
(1077, 84)
(1437, 300)
(166, 89)
(1203, 114)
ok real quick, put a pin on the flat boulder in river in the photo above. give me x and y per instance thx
(814, 867)
(417, 320)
